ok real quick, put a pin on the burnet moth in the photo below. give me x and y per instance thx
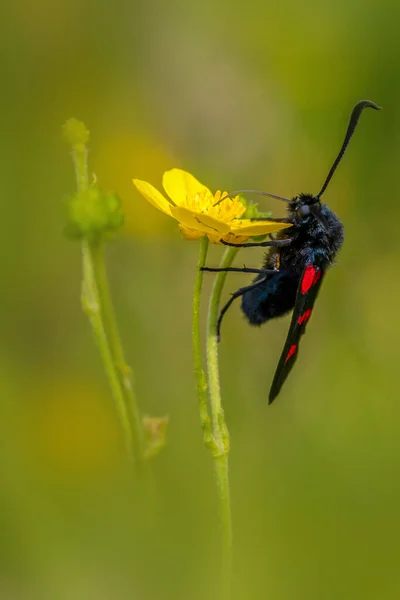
(295, 264)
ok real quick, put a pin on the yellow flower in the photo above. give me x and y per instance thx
(199, 212)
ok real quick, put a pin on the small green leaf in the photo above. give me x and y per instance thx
(155, 430)
(252, 211)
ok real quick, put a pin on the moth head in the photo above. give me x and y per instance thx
(303, 211)
(305, 205)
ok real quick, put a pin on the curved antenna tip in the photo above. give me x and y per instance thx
(368, 103)
(354, 117)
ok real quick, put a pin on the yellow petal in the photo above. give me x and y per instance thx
(251, 228)
(180, 184)
(153, 196)
(190, 234)
(213, 224)
(190, 219)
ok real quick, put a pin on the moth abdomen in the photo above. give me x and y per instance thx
(274, 298)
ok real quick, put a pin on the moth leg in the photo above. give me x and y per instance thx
(237, 294)
(239, 270)
(285, 242)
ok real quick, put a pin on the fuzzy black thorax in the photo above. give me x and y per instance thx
(317, 233)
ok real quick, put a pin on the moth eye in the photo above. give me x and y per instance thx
(303, 211)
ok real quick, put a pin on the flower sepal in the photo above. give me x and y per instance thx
(252, 211)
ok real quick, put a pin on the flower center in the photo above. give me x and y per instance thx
(225, 211)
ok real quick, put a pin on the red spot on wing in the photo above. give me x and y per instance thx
(310, 278)
(304, 317)
(292, 350)
(317, 276)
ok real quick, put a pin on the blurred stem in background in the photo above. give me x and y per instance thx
(96, 299)
(216, 435)
(93, 304)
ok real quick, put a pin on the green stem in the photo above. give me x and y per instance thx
(201, 382)
(220, 432)
(124, 371)
(218, 421)
(91, 303)
(216, 436)
(80, 155)
(96, 301)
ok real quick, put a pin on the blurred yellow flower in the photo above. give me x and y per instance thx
(199, 212)
(69, 430)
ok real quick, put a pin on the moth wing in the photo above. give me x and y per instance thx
(307, 292)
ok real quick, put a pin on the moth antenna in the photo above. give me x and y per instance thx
(355, 115)
(259, 192)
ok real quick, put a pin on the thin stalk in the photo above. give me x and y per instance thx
(92, 307)
(124, 371)
(220, 432)
(97, 304)
(201, 381)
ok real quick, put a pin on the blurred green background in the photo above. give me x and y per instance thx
(252, 94)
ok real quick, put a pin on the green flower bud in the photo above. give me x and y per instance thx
(92, 213)
(75, 133)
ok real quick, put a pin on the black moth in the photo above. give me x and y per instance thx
(295, 265)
